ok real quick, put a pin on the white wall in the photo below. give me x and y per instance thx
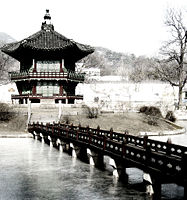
(6, 91)
(121, 96)
(116, 96)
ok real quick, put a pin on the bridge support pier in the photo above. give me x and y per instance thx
(119, 170)
(148, 184)
(153, 186)
(156, 189)
(95, 159)
(82, 154)
(90, 157)
(50, 140)
(113, 164)
(123, 176)
(36, 135)
(59, 144)
(73, 153)
(42, 138)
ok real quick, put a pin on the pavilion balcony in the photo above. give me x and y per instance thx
(73, 76)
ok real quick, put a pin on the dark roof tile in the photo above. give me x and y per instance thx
(47, 40)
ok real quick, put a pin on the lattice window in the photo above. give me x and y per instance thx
(48, 66)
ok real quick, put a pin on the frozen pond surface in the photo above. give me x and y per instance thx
(176, 139)
(30, 169)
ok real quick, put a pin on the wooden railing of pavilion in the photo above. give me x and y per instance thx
(48, 75)
(40, 96)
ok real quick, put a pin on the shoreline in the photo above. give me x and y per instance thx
(178, 131)
(11, 134)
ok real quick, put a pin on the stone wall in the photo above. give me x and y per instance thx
(122, 96)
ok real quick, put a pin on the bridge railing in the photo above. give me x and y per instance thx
(165, 157)
(155, 146)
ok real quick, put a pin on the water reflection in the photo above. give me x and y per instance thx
(32, 170)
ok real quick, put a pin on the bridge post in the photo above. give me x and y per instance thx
(111, 133)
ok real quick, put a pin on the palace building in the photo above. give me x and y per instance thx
(47, 65)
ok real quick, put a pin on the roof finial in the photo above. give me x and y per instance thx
(47, 25)
(47, 17)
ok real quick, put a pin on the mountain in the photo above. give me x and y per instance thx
(122, 64)
(7, 63)
(5, 38)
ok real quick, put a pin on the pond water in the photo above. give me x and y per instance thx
(30, 169)
(180, 139)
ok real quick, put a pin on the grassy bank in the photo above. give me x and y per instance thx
(133, 122)
(17, 124)
(11, 121)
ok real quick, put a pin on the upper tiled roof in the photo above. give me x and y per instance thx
(47, 39)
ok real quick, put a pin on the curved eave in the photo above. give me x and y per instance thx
(11, 49)
(74, 53)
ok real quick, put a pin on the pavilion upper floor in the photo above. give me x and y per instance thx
(47, 70)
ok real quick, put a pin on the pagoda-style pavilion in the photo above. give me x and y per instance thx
(47, 65)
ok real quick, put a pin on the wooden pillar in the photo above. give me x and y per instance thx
(34, 64)
(20, 91)
(61, 65)
(34, 90)
(59, 109)
(61, 90)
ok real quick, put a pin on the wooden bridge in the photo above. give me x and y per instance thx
(164, 162)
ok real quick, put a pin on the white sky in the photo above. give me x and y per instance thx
(129, 26)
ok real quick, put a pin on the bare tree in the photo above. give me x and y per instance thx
(172, 67)
(142, 69)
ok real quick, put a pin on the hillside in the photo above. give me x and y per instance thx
(121, 64)
(7, 64)
(5, 38)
